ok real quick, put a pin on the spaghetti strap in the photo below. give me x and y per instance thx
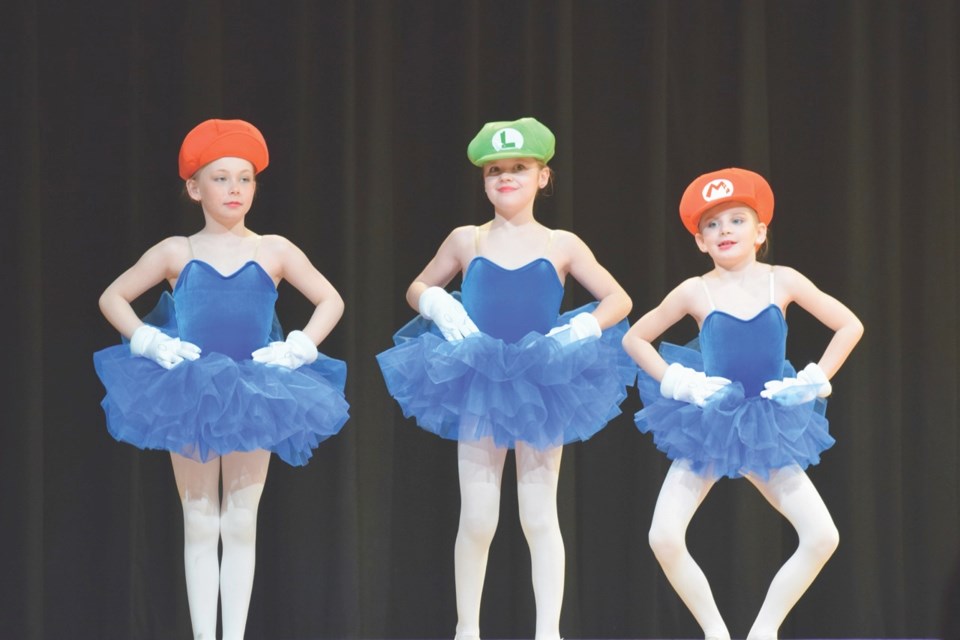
(706, 290)
(476, 240)
(190, 247)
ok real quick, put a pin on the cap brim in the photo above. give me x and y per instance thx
(692, 223)
(500, 155)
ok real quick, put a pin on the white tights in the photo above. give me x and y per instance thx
(205, 522)
(481, 469)
(790, 492)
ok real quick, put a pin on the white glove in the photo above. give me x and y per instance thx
(813, 374)
(149, 342)
(583, 325)
(297, 350)
(810, 383)
(447, 313)
(688, 385)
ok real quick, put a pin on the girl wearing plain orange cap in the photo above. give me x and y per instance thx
(208, 376)
(736, 407)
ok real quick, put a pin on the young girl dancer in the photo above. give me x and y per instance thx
(736, 407)
(510, 374)
(208, 376)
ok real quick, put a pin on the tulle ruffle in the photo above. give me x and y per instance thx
(217, 405)
(732, 435)
(535, 391)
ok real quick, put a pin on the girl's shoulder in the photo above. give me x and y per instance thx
(466, 233)
(689, 289)
(685, 299)
(174, 243)
(274, 242)
(462, 239)
(175, 249)
(562, 235)
(787, 276)
(792, 285)
(568, 242)
(275, 247)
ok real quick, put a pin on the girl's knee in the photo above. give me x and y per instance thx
(819, 538)
(239, 525)
(666, 543)
(478, 527)
(200, 525)
(824, 541)
(538, 522)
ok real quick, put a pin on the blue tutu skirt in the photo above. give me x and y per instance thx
(215, 405)
(536, 390)
(732, 435)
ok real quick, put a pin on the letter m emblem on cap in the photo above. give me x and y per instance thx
(715, 189)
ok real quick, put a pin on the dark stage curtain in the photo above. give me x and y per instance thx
(849, 107)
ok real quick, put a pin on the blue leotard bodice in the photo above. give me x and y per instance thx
(750, 352)
(510, 303)
(231, 314)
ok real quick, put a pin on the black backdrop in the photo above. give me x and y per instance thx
(849, 107)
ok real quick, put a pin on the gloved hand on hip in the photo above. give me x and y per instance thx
(153, 344)
(689, 385)
(296, 351)
(583, 325)
(447, 313)
(809, 384)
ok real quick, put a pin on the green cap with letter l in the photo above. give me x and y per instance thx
(523, 138)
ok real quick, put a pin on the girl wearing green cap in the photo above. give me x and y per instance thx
(500, 368)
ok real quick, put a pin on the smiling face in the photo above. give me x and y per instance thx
(512, 184)
(225, 189)
(730, 232)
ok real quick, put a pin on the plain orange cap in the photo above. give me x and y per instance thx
(213, 139)
(726, 185)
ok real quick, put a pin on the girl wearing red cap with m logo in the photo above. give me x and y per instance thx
(736, 407)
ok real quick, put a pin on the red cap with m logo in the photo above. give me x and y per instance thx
(726, 185)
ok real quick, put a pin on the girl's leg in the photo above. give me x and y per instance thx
(481, 468)
(244, 474)
(199, 488)
(537, 476)
(682, 493)
(791, 492)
